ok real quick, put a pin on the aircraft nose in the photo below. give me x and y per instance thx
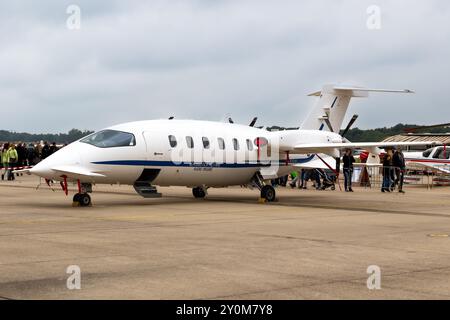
(42, 169)
(68, 155)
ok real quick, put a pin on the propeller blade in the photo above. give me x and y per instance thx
(253, 122)
(349, 125)
(327, 121)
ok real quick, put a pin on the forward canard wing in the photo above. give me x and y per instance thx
(74, 172)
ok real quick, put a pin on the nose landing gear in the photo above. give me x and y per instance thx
(82, 198)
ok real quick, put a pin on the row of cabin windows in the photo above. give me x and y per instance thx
(206, 143)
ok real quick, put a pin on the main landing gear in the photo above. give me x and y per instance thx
(267, 191)
(199, 192)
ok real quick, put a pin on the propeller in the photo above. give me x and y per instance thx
(170, 118)
(347, 128)
(327, 121)
(349, 125)
(252, 123)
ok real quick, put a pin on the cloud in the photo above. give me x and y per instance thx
(208, 59)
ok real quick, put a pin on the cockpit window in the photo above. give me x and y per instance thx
(427, 153)
(441, 153)
(110, 139)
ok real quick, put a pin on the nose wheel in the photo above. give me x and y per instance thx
(83, 199)
(198, 192)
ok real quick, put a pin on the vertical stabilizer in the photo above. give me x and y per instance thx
(331, 107)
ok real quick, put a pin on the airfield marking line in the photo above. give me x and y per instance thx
(63, 259)
(328, 282)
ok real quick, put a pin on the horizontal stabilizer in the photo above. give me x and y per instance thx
(355, 91)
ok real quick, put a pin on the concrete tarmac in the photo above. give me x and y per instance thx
(308, 245)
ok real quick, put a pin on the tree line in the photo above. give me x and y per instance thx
(354, 134)
(59, 138)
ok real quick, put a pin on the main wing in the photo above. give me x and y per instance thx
(328, 162)
(333, 148)
(418, 165)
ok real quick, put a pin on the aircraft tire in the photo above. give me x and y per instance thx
(84, 200)
(198, 193)
(268, 193)
(76, 198)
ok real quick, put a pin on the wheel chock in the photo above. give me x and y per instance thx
(262, 200)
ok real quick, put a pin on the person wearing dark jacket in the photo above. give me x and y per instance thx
(45, 151)
(398, 161)
(53, 148)
(348, 161)
(22, 154)
(387, 172)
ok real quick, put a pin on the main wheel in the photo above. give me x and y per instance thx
(198, 192)
(84, 199)
(76, 197)
(268, 193)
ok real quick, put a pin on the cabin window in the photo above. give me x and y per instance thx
(172, 141)
(249, 145)
(221, 143)
(110, 139)
(190, 142)
(205, 142)
(235, 144)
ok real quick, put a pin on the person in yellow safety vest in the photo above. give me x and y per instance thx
(4, 160)
(12, 158)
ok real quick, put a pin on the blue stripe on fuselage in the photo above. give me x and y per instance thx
(154, 163)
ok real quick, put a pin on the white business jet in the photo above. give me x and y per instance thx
(203, 154)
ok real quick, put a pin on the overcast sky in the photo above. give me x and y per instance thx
(210, 59)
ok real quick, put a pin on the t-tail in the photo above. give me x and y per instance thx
(331, 108)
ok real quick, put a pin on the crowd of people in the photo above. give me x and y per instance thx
(394, 167)
(20, 155)
(393, 172)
